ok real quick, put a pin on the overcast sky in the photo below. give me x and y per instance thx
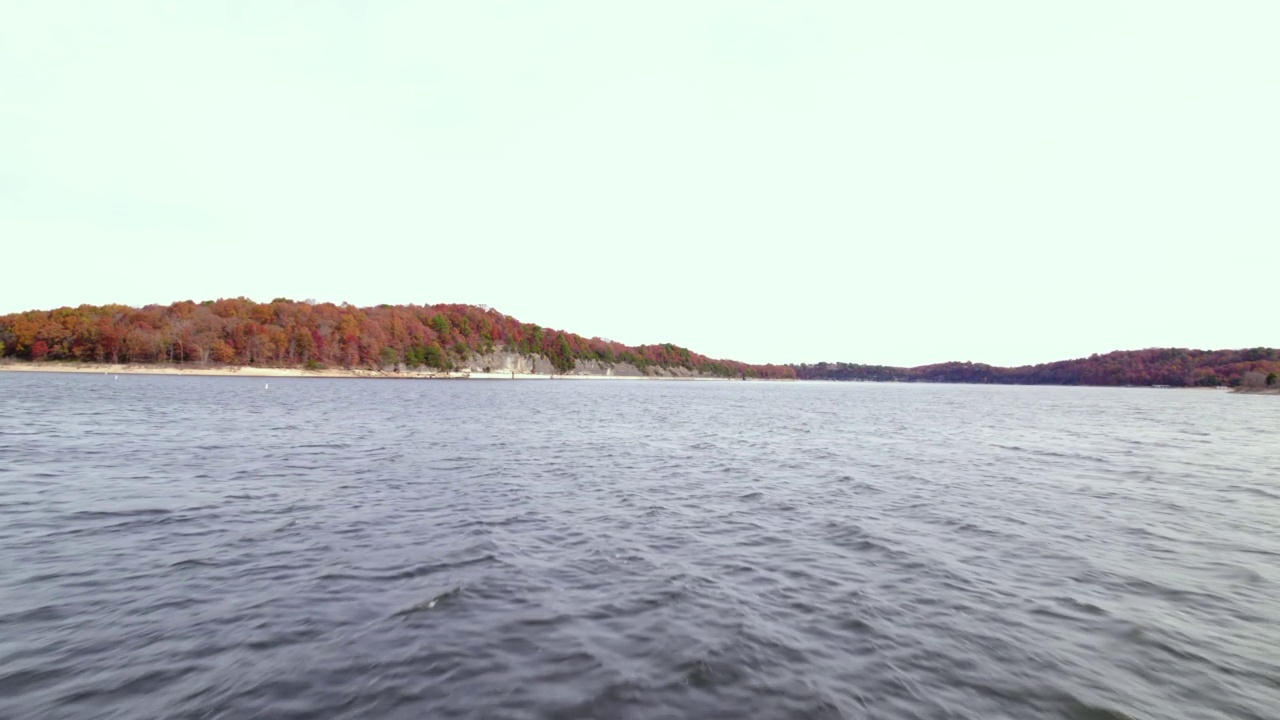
(887, 182)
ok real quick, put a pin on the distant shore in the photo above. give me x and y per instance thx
(1272, 390)
(270, 372)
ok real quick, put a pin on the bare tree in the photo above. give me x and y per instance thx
(1253, 379)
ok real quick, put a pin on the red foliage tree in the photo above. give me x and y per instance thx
(288, 333)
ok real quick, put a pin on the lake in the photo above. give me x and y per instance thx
(209, 547)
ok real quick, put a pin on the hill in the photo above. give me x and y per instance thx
(288, 334)
(285, 333)
(1175, 367)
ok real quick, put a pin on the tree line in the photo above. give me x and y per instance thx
(1175, 367)
(286, 333)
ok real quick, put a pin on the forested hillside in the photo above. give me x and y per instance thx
(1158, 366)
(284, 333)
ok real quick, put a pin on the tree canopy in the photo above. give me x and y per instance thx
(1176, 367)
(285, 333)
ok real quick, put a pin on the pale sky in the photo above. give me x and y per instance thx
(880, 182)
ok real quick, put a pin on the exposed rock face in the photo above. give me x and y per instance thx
(507, 362)
(503, 363)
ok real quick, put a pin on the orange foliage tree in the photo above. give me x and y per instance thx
(284, 333)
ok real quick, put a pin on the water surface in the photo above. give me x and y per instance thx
(185, 547)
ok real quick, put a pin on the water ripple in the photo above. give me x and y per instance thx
(195, 548)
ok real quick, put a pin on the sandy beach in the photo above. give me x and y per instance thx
(250, 371)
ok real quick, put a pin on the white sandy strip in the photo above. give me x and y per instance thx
(246, 371)
(109, 369)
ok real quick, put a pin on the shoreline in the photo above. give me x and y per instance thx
(269, 372)
(342, 373)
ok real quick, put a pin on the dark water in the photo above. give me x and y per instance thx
(207, 548)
